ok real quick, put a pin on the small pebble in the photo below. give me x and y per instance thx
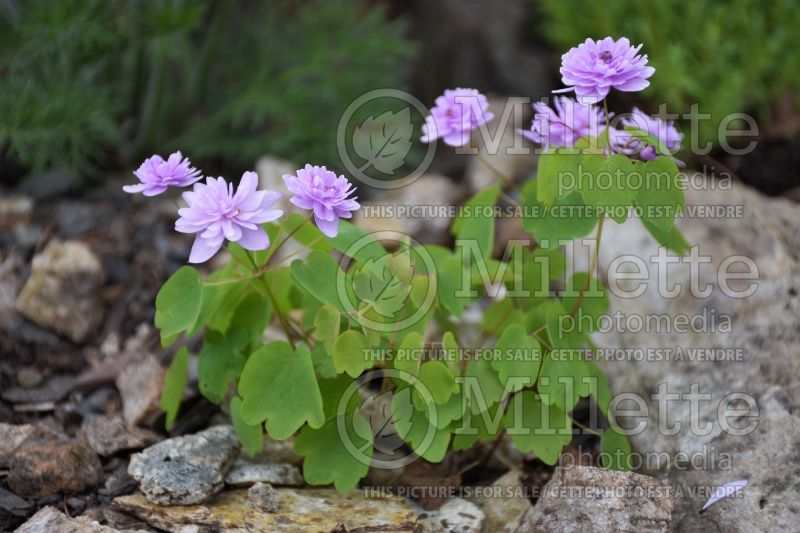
(264, 497)
(29, 377)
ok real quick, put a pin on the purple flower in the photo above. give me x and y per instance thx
(664, 131)
(456, 113)
(216, 214)
(320, 190)
(592, 68)
(563, 126)
(155, 175)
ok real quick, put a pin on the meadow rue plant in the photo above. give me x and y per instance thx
(324, 193)
(156, 175)
(373, 353)
(593, 68)
(456, 113)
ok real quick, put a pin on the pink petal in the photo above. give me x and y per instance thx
(328, 227)
(204, 249)
(254, 239)
(132, 189)
(726, 490)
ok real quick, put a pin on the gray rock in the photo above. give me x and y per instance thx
(13, 436)
(14, 210)
(49, 520)
(139, 385)
(108, 435)
(381, 213)
(263, 497)
(52, 467)
(455, 516)
(243, 473)
(13, 510)
(185, 470)
(761, 336)
(63, 291)
(504, 503)
(584, 499)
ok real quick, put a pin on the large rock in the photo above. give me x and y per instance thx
(244, 473)
(759, 336)
(585, 499)
(49, 520)
(108, 435)
(297, 510)
(63, 291)
(13, 436)
(52, 467)
(455, 516)
(185, 470)
(139, 384)
(504, 503)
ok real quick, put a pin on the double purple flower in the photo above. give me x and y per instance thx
(328, 196)
(593, 68)
(156, 175)
(216, 213)
(563, 126)
(624, 141)
(456, 113)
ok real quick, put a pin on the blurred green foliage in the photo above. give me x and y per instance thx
(84, 83)
(728, 56)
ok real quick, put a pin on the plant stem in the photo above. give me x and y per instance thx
(592, 266)
(281, 318)
(508, 181)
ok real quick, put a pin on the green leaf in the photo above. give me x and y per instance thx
(557, 174)
(603, 184)
(563, 379)
(377, 283)
(318, 275)
(278, 386)
(475, 221)
(568, 217)
(671, 237)
(484, 426)
(537, 427)
(351, 353)
(413, 426)
(178, 302)
(326, 457)
(252, 314)
(482, 387)
(517, 355)
(435, 378)
(323, 361)
(174, 383)
(593, 305)
(615, 450)
(408, 355)
(600, 390)
(327, 324)
(356, 243)
(250, 435)
(660, 198)
(220, 362)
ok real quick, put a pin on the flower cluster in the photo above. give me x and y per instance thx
(456, 113)
(564, 125)
(216, 213)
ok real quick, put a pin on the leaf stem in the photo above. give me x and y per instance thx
(508, 181)
(592, 266)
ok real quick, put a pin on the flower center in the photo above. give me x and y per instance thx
(605, 56)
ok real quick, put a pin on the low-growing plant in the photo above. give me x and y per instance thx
(367, 341)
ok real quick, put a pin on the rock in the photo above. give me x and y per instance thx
(510, 160)
(11, 267)
(585, 499)
(243, 473)
(455, 516)
(54, 390)
(28, 377)
(139, 385)
(42, 469)
(185, 470)
(758, 338)
(14, 210)
(391, 210)
(63, 291)
(49, 520)
(270, 172)
(263, 497)
(13, 510)
(13, 436)
(504, 503)
(298, 510)
(108, 435)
